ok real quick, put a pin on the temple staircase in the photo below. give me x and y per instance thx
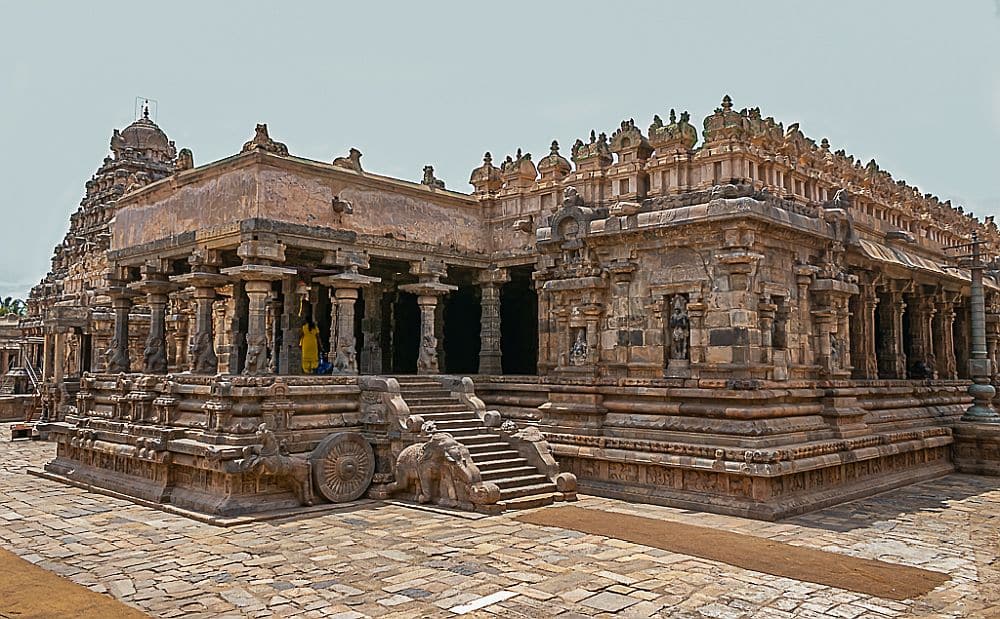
(521, 485)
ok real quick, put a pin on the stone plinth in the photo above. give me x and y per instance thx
(977, 448)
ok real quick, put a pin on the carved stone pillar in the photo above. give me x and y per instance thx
(428, 289)
(371, 327)
(803, 279)
(490, 361)
(155, 285)
(344, 294)
(831, 319)
(892, 363)
(273, 332)
(47, 352)
(864, 323)
(121, 302)
(257, 278)
(944, 344)
(290, 355)
(59, 358)
(204, 279)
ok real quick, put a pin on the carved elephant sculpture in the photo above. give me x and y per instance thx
(439, 470)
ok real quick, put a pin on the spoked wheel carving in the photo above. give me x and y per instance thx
(343, 466)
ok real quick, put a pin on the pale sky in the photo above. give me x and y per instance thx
(914, 84)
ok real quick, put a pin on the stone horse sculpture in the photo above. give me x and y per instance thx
(441, 470)
(270, 458)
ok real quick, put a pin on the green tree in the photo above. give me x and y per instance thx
(10, 305)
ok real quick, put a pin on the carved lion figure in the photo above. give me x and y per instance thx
(439, 470)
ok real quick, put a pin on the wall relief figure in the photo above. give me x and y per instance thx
(578, 349)
(835, 354)
(680, 328)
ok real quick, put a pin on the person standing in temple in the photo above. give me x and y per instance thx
(309, 343)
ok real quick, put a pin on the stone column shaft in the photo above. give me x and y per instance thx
(155, 353)
(257, 293)
(119, 360)
(203, 358)
(490, 360)
(345, 357)
(427, 361)
(371, 351)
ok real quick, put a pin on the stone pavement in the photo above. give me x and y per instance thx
(384, 560)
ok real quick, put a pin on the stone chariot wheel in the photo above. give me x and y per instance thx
(342, 466)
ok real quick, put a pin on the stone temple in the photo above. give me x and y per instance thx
(746, 322)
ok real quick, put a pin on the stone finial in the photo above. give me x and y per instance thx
(262, 141)
(554, 167)
(486, 178)
(677, 136)
(518, 171)
(628, 139)
(595, 153)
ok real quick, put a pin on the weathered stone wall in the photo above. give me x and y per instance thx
(265, 187)
(765, 453)
(178, 439)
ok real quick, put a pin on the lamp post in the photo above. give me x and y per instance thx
(982, 392)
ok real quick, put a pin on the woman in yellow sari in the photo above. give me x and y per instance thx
(309, 343)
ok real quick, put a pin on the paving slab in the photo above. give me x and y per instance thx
(385, 560)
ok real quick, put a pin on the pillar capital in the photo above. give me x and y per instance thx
(428, 289)
(349, 279)
(494, 276)
(258, 272)
(261, 251)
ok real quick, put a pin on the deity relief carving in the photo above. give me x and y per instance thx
(680, 328)
(578, 350)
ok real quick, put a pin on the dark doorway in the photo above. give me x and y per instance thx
(461, 330)
(401, 311)
(86, 353)
(519, 323)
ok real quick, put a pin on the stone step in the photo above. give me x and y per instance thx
(505, 472)
(523, 491)
(522, 481)
(485, 458)
(422, 400)
(500, 464)
(528, 502)
(419, 409)
(460, 433)
(459, 423)
(474, 440)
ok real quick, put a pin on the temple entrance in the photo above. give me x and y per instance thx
(519, 323)
(402, 340)
(461, 330)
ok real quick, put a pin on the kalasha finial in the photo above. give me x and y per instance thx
(145, 109)
(727, 102)
(554, 149)
(673, 116)
(488, 158)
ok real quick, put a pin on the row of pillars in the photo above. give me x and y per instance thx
(880, 337)
(257, 275)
